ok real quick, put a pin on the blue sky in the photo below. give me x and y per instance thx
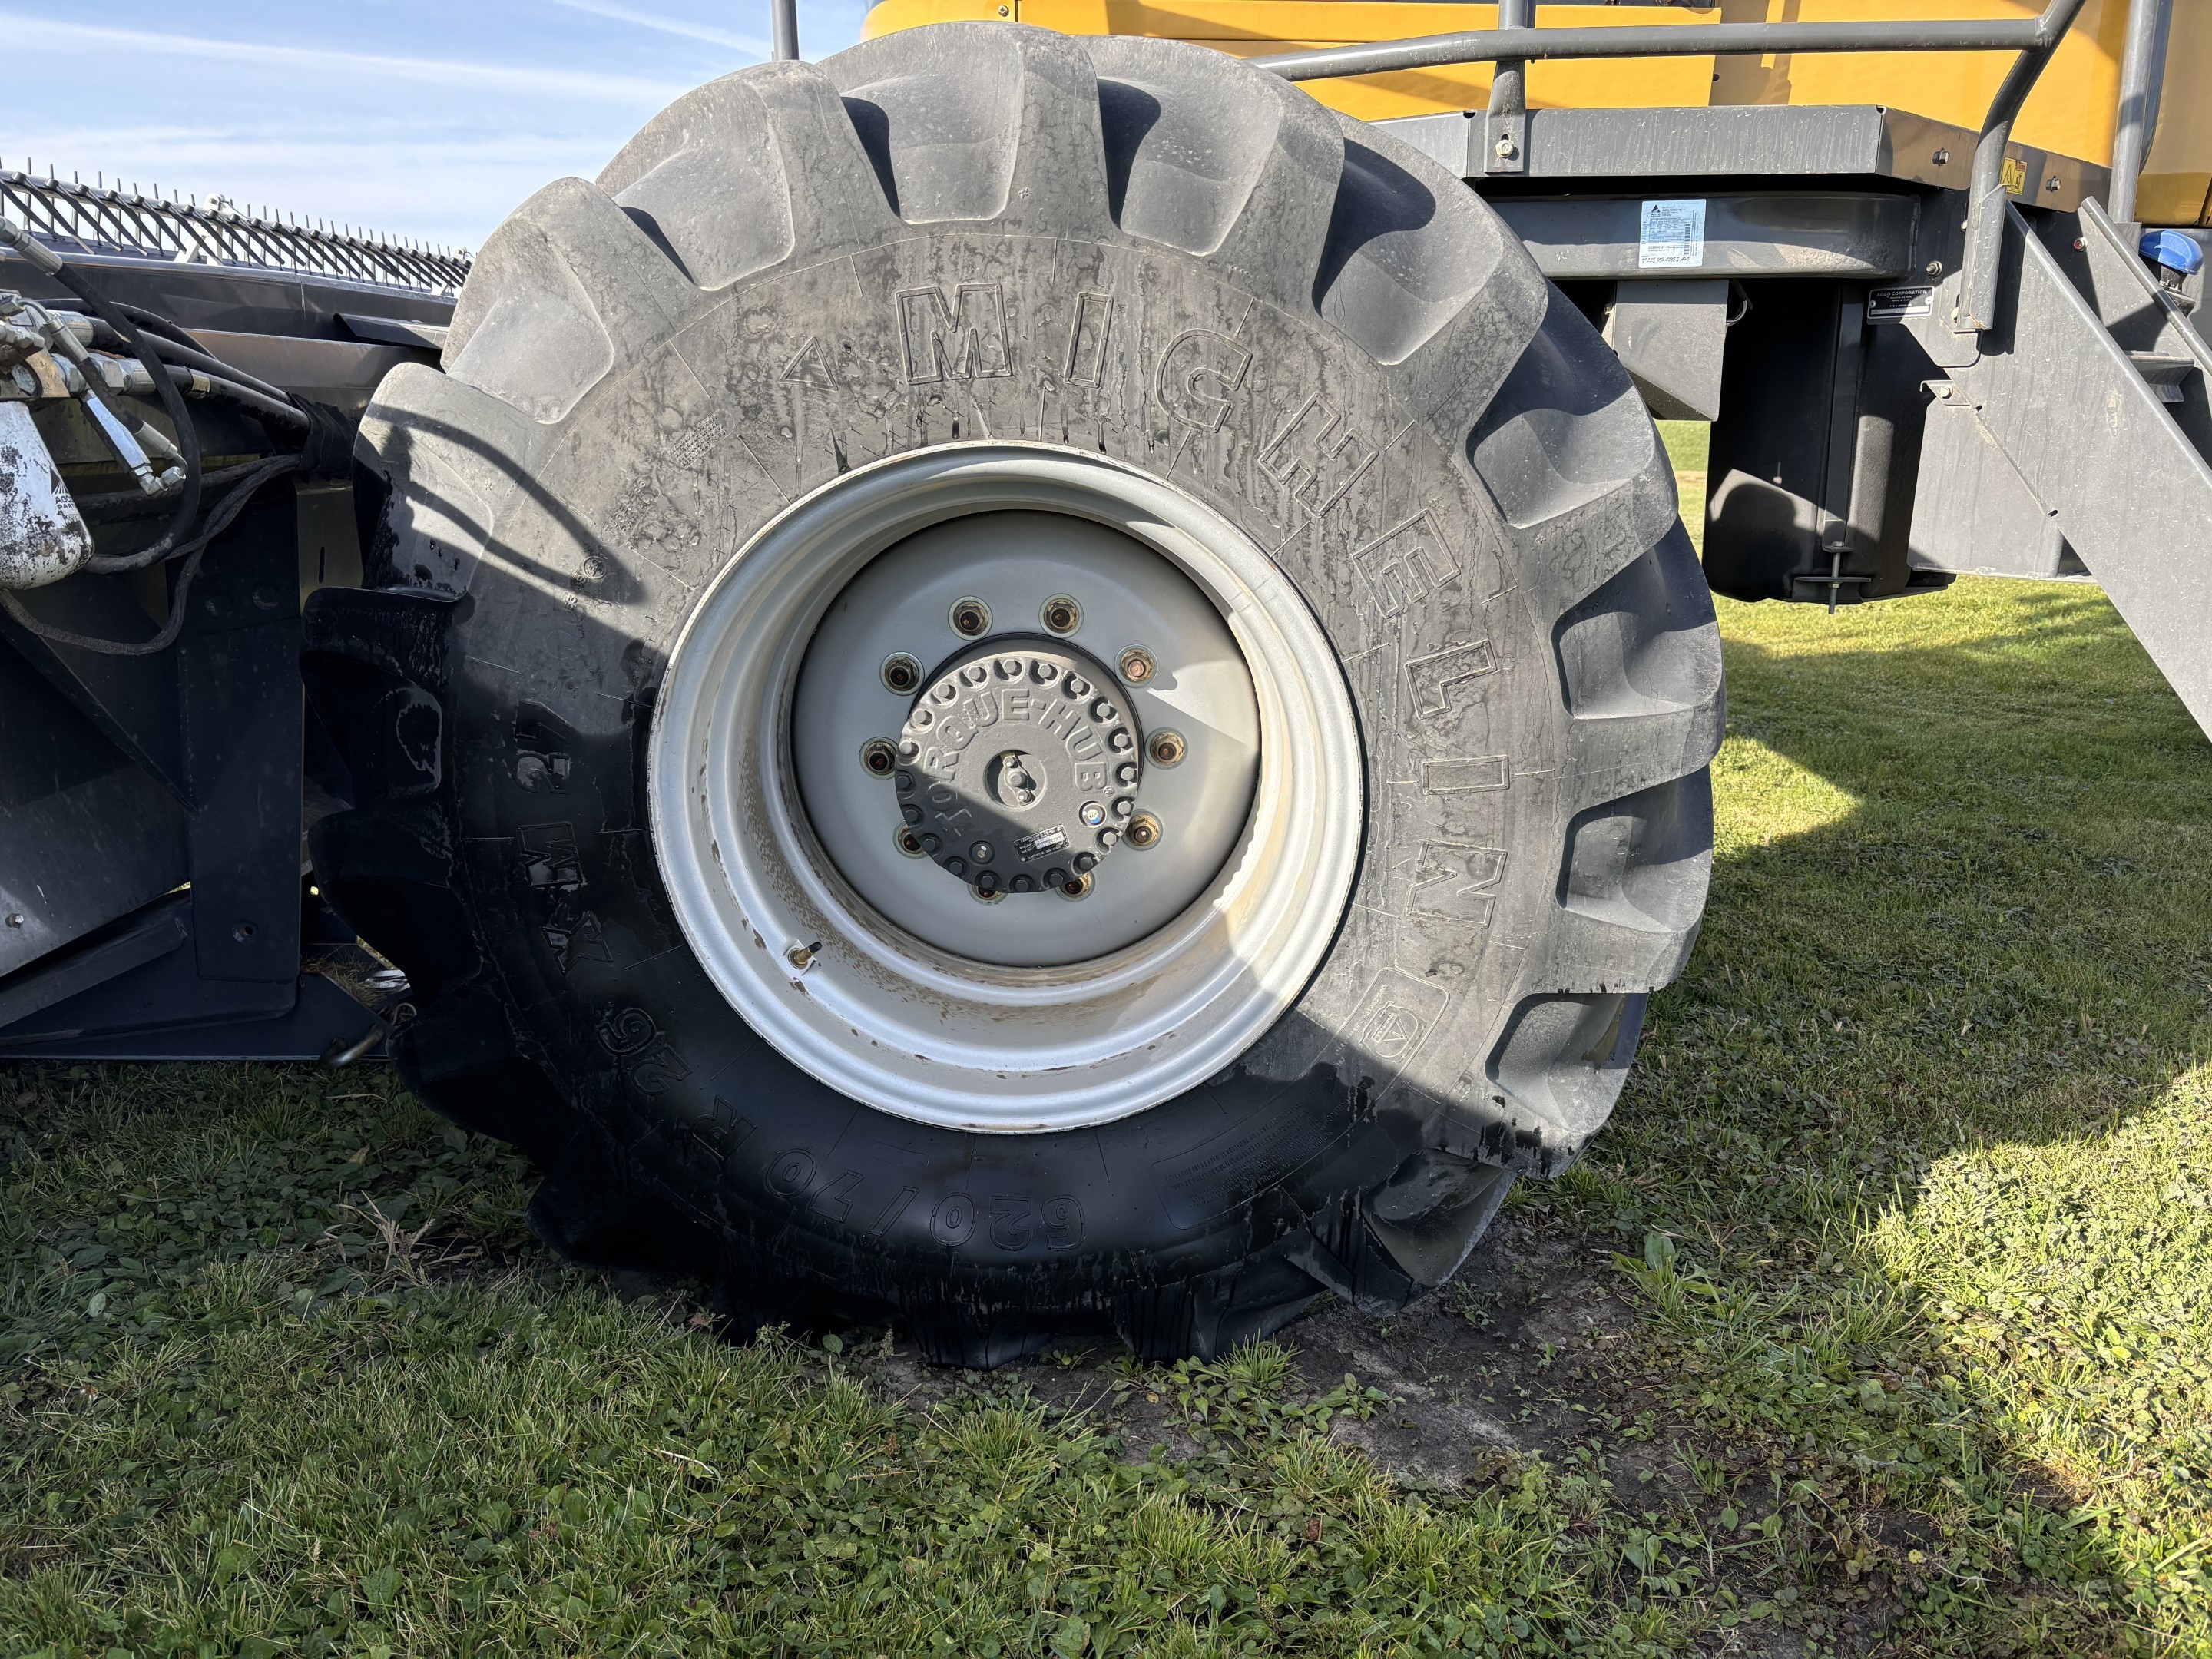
(404, 116)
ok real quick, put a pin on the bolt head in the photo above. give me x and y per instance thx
(971, 618)
(1144, 830)
(1505, 151)
(1137, 665)
(879, 759)
(900, 673)
(1060, 615)
(1166, 747)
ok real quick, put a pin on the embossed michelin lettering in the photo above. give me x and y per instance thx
(1465, 774)
(1404, 567)
(963, 339)
(1453, 881)
(1445, 679)
(1198, 374)
(1087, 339)
(1316, 456)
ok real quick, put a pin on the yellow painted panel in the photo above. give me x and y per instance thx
(2071, 111)
(1253, 28)
(2177, 181)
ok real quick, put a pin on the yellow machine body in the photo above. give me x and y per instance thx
(2071, 112)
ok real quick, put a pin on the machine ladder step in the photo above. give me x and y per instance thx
(2094, 387)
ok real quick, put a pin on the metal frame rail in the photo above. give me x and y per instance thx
(67, 216)
(2033, 38)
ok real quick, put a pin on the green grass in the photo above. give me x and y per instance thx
(1909, 1205)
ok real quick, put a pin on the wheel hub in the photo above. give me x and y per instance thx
(1018, 766)
(1163, 700)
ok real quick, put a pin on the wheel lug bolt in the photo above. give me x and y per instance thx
(1166, 746)
(1078, 888)
(901, 673)
(1137, 665)
(1061, 615)
(971, 618)
(1144, 830)
(1092, 814)
(880, 758)
(909, 843)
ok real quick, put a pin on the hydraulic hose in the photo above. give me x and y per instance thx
(46, 260)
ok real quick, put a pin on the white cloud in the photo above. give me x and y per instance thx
(750, 45)
(31, 32)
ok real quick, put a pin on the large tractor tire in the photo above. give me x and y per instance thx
(1025, 685)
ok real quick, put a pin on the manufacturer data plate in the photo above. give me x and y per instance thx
(1671, 235)
(1893, 305)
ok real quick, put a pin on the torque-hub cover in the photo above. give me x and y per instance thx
(1018, 766)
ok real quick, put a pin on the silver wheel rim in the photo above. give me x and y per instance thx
(884, 1016)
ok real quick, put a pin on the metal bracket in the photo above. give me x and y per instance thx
(1506, 144)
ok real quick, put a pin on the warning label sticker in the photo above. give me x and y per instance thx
(1673, 234)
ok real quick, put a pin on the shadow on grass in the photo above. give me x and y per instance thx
(1915, 1174)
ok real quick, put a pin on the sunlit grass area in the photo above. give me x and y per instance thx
(1906, 1220)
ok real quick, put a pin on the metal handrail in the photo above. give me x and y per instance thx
(2034, 39)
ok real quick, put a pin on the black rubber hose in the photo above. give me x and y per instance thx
(191, 357)
(137, 504)
(222, 370)
(259, 404)
(193, 551)
(173, 401)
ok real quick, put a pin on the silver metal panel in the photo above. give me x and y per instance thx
(1973, 513)
(1835, 141)
(1815, 235)
(1671, 337)
(2096, 443)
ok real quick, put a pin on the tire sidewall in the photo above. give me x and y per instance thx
(662, 473)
